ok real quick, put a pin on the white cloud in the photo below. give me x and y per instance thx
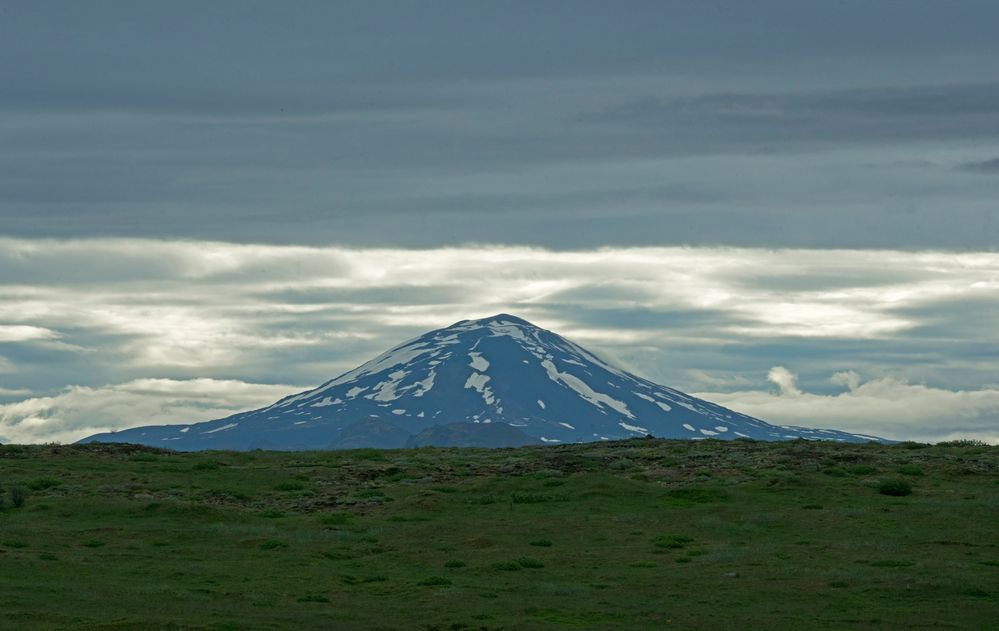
(301, 315)
(25, 333)
(885, 406)
(79, 411)
(785, 380)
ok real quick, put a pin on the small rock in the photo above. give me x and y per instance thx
(732, 574)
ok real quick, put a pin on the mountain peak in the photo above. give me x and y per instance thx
(499, 318)
(502, 370)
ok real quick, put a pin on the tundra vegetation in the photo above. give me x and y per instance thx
(631, 534)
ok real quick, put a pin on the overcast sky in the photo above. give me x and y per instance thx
(788, 207)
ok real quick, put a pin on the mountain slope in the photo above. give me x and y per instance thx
(496, 370)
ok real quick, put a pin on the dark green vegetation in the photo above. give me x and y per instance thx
(639, 534)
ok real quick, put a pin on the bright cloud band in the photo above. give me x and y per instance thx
(76, 316)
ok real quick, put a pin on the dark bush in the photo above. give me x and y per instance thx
(861, 469)
(909, 469)
(336, 519)
(895, 487)
(18, 496)
(528, 498)
(967, 442)
(40, 484)
(671, 541)
(433, 581)
(690, 496)
(530, 563)
(273, 544)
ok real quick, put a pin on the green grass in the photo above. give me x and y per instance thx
(640, 534)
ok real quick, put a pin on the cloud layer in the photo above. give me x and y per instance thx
(885, 406)
(79, 411)
(573, 125)
(82, 321)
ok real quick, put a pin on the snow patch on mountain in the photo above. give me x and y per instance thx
(478, 362)
(222, 429)
(477, 381)
(596, 398)
(634, 428)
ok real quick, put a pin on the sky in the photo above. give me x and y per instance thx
(786, 207)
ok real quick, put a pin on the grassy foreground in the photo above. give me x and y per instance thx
(641, 534)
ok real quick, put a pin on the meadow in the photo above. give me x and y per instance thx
(639, 534)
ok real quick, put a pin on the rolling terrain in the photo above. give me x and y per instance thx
(628, 534)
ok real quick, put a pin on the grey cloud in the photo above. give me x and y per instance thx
(672, 322)
(842, 277)
(981, 166)
(796, 120)
(368, 295)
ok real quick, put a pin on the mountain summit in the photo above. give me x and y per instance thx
(498, 381)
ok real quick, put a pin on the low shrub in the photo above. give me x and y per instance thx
(895, 487)
(18, 496)
(273, 544)
(454, 563)
(434, 581)
(336, 519)
(963, 443)
(690, 496)
(271, 514)
(861, 469)
(909, 444)
(40, 484)
(890, 563)
(529, 563)
(909, 469)
(542, 543)
(528, 498)
(671, 542)
(360, 580)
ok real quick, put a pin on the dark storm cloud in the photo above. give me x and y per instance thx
(654, 122)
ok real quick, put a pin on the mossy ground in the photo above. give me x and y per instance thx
(640, 534)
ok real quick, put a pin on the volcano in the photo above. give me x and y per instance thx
(495, 382)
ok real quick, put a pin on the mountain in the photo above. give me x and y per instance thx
(499, 381)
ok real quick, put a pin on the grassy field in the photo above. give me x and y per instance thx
(642, 534)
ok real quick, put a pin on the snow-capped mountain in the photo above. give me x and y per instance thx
(499, 381)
